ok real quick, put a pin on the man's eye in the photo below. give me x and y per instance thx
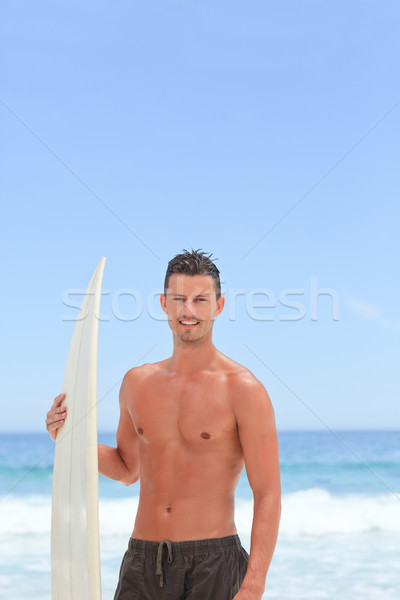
(201, 299)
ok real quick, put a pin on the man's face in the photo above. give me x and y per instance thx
(191, 305)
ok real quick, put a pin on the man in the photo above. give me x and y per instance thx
(188, 425)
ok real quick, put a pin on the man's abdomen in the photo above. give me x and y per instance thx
(184, 517)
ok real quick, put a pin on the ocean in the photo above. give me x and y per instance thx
(339, 534)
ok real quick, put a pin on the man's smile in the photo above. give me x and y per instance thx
(187, 323)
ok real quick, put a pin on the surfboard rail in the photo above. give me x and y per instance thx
(75, 545)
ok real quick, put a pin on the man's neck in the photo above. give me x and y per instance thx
(192, 357)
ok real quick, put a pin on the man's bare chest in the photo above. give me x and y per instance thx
(196, 414)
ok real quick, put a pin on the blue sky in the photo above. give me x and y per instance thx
(264, 132)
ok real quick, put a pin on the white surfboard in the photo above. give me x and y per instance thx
(75, 547)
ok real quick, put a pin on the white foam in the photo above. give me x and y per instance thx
(117, 516)
(317, 512)
(25, 515)
(313, 512)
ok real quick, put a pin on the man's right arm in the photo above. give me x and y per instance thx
(122, 463)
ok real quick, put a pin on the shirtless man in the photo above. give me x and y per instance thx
(188, 425)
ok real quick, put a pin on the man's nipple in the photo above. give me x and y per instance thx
(140, 431)
(205, 435)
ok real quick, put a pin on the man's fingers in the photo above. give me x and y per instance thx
(52, 425)
(54, 412)
(56, 416)
(58, 400)
(51, 419)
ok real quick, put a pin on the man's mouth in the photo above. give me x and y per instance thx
(186, 323)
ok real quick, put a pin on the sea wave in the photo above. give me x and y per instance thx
(313, 512)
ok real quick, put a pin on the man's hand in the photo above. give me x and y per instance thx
(56, 416)
(244, 594)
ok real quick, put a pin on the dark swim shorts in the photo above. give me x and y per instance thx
(210, 569)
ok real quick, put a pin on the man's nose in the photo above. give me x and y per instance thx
(188, 308)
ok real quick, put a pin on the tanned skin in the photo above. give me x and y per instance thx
(188, 425)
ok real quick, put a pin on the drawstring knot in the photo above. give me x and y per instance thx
(159, 570)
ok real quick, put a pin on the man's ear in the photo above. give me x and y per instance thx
(163, 302)
(220, 306)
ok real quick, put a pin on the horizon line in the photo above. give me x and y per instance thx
(279, 430)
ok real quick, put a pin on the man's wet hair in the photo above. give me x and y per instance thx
(195, 262)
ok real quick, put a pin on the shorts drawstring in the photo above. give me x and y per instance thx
(159, 570)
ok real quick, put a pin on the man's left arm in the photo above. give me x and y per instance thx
(259, 440)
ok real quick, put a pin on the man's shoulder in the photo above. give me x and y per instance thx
(142, 372)
(243, 380)
(240, 378)
(247, 394)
